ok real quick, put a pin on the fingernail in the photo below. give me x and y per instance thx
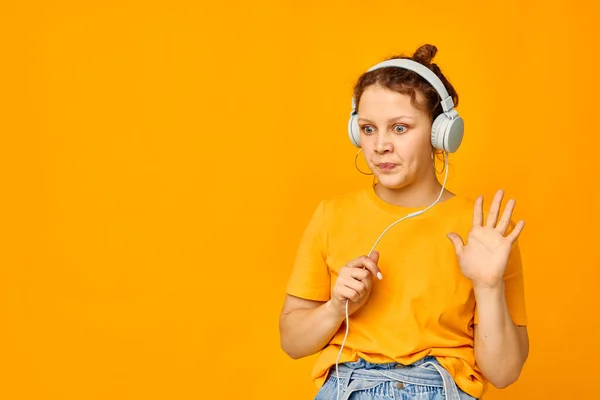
(379, 276)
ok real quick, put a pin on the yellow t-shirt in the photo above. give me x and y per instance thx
(423, 306)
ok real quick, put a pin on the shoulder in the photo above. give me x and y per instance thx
(330, 210)
(457, 211)
(457, 205)
(343, 202)
(467, 205)
(464, 208)
(345, 197)
(462, 203)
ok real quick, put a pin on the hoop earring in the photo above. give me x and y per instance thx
(443, 164)
(356, 164)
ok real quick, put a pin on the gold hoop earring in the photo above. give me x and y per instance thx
(356, 164)
(443, 164)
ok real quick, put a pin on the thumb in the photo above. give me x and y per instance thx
(456, 241)
(374, 256)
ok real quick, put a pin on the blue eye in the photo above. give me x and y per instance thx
(399, 128)
(368, 129)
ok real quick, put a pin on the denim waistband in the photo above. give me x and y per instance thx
(362, 375)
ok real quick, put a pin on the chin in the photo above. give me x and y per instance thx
(392, 181)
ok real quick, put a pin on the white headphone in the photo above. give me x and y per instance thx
(447, 129)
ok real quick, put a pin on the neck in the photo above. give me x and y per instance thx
(418, 194)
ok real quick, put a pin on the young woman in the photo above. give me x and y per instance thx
(427, 315)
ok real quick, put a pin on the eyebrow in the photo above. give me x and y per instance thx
(390, 120)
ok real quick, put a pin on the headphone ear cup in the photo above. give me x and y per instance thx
(353, 130)
(447, 133)
(437, 132)
(454, 134)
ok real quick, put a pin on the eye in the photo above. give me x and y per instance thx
(399, 128)
(368, 129)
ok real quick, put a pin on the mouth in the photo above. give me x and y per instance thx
(386, 167)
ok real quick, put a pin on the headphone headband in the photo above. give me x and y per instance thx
(427, 74)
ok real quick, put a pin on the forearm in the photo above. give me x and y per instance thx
(499, 350)
(306, 331)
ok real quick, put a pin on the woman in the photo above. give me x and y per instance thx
(426, 316)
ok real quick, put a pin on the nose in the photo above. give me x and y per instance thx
(383, 143)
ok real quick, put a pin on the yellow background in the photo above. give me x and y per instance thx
(159, 161)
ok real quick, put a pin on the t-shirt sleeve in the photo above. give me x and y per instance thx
(310, 278)
(514, 288)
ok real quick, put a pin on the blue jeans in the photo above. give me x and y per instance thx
(361, 380)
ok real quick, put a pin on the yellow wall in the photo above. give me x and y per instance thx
(159, 162)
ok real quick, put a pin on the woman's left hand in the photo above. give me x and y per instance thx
(484, 258)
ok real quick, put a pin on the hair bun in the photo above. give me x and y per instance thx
(425, 54)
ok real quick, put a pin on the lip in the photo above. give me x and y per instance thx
(386, 166)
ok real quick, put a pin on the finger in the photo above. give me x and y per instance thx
(514, 235)
(504, 222)
(478, 211)
(374, 256)
(356, 285)
(495, 209)
(359, 274)
(350, 294)
(366, 262)
(456, 241)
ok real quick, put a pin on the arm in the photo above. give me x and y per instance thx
(491, 260)
(306, 326)
(306, 323)
(501, 347)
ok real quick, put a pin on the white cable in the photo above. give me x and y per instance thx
(413, 214)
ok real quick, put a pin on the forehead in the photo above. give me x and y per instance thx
(380, 102)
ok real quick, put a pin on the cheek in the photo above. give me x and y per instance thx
(367, 148)
(416, 153)
(408, 149)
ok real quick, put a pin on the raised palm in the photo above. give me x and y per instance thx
(484, 258)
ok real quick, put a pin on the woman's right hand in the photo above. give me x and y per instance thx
(354, 283)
